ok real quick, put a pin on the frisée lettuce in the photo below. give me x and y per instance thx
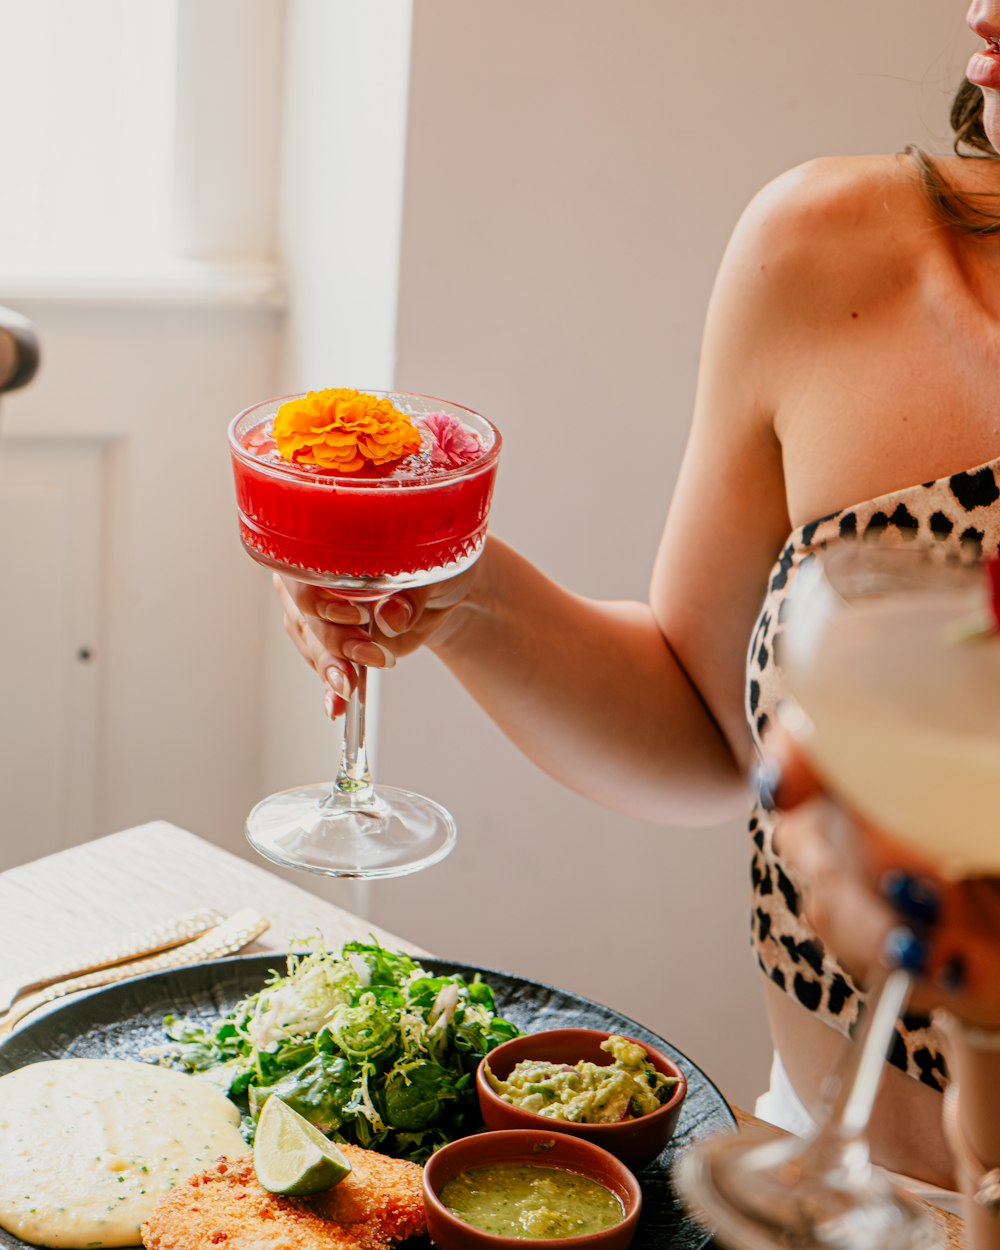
(363, 1042)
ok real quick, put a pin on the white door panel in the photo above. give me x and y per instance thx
(51, 574)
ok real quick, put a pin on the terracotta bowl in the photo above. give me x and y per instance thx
(635, 1142)
(556, 1150)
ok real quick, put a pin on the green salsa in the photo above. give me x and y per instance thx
(588, 1093)
(526, 1200)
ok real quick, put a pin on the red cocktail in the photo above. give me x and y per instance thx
(378, 529)
(323, 499)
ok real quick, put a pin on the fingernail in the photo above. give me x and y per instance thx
(340, 612)
(952, 976)
(329, 706)
(903, 949)
(369, 653)
(765, 780)
(338, 683)
(915, 896)
(393, 616)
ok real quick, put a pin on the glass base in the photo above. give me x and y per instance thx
(311, 829)
(794, 1194)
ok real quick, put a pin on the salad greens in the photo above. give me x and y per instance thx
(363, 1042)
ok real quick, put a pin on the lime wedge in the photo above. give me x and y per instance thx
(291, 1156)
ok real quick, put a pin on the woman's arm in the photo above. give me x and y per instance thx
(588, 690)
(591, 692)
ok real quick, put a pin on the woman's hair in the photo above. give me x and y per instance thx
(975, 213)
(967, 120)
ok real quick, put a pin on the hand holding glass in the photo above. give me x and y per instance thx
(366, 536)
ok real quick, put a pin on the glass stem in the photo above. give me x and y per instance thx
(851, 1094)
(354, 786)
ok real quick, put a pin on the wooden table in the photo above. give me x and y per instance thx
(92, 894)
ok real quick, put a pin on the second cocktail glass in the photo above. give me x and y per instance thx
(365, 535)
(892, 660)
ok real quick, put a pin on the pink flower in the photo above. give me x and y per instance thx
(451, 443)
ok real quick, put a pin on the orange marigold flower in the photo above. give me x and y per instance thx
(343, 430)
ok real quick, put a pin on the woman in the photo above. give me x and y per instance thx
(850, 353)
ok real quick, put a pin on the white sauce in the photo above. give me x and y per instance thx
(89, 1146)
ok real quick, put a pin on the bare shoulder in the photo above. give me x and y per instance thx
(839, 194)
(824, 202)
(830, 230)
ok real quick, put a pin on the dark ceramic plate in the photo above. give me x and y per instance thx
(118, 1022)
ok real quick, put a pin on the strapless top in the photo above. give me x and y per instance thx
(960, 516)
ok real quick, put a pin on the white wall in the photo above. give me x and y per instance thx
(574, 168)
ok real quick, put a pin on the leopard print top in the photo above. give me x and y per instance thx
(961, 515)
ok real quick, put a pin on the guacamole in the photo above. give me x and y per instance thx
(524, 1200)
(588, 1093)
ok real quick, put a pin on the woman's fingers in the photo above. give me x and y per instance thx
(339, 629)
(395, 615)
(963, 972)
(854, 921)
(868, 908)
(874, 900)
(785, 778)
(418, 611)
(338, 677)
(294, 621)
(377, 633)
(317, 603)
(334, 634)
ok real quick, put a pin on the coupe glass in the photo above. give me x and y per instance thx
(366, 538)
(893, 665)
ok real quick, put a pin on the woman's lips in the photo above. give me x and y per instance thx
(984, 66)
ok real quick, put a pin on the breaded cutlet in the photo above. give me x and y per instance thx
(379, 1203)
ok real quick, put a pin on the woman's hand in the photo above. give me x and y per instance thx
(871, 897)
(333, 634)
